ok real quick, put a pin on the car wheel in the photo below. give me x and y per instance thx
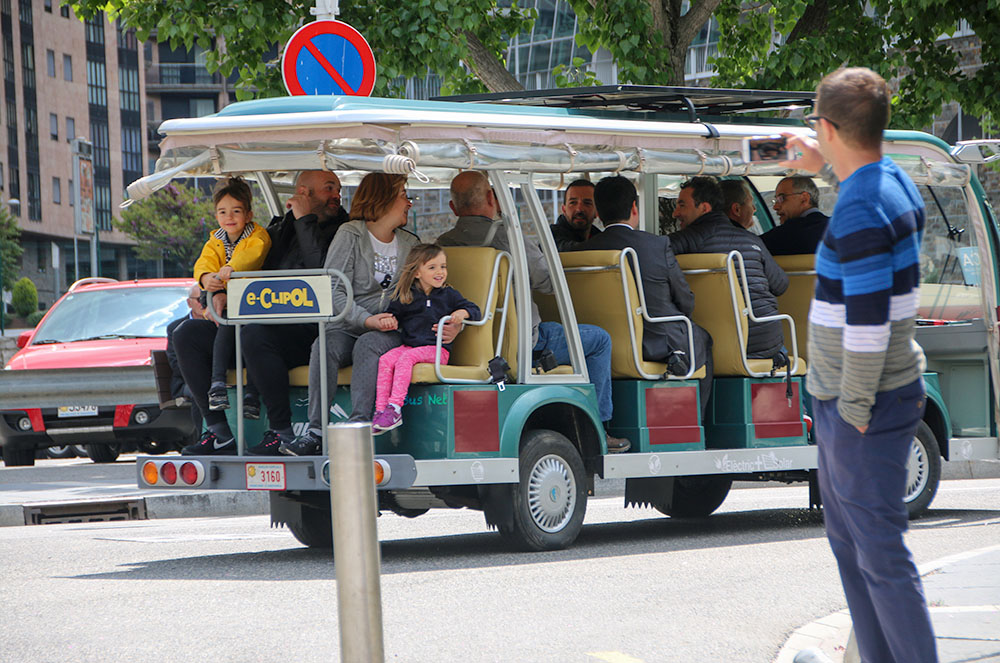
(154, 448)
(65, 451)
(80, 450)
(550, 499)
(18, 456)
(923, 471)
(103, 453)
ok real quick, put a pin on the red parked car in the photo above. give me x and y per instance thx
(99, 322)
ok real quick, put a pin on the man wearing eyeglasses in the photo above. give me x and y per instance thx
(796, 200)
(864, 366)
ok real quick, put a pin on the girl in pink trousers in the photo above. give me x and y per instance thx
(421, 298)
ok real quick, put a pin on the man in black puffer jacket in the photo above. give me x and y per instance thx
(706, 229)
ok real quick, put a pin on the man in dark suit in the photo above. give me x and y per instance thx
(796, 201)
(666, 289)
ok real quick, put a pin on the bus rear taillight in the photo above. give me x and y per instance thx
(167, 472)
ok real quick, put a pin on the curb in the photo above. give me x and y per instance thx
(213, 504)
(834, 632)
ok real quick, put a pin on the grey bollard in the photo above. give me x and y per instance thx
(355, 542)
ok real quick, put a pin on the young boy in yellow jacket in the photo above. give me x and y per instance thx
(239, 245)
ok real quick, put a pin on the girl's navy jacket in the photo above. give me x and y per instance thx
(417, 319)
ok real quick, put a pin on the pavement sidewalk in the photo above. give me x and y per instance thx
(84, 484)
(963, 595)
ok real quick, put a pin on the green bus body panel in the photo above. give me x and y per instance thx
(751, 413)
(532, 397)
(652, 420)
(429, 416)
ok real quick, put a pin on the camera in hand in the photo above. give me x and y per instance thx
(765, 149)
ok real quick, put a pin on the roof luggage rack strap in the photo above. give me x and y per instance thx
(572, 157)
(213, 153)
(321, 153)
(622, 161)
(472, 153)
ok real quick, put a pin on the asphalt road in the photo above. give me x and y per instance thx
(635, 587)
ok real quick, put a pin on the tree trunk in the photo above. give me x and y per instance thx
(677, 32)
(814, 21)
(488, 68)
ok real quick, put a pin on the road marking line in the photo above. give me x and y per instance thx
(613, 657)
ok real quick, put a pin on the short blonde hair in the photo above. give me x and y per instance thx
(375, 195)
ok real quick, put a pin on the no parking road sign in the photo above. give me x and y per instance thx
(328, 57)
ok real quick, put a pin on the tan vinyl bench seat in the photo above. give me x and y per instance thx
(599, 299)
(795, 301)
(470, 269)
(714, 282)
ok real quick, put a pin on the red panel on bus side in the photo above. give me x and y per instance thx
(772, 417)
(672, 415)
(477, 421)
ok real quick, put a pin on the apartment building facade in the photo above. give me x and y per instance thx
(64, 78)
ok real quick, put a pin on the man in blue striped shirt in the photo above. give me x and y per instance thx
(864, 365)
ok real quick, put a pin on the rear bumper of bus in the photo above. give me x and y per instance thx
(306, 473)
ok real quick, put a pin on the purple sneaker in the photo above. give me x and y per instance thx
(387, 419)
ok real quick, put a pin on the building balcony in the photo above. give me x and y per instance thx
(181, 77)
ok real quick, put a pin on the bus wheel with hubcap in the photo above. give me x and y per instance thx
(550, 499)
(697, 496)
(923, 471)
(314, 529)
(103, 453)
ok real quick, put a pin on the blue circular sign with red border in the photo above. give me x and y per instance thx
(328, 57)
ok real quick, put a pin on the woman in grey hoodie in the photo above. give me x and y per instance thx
(370, 250)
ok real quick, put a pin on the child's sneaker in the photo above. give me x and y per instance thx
(218, 398)
(386, 420)
(251, 406)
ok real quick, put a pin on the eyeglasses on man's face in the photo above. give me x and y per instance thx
(782, 197)
(812, 121)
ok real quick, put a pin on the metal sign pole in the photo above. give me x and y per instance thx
(355, 542)
(326, 10)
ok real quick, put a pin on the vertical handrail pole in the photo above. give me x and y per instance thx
(240, 443)
(355, 542)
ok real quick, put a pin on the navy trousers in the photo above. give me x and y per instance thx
(862, 478)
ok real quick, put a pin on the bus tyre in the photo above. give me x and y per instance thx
(103, 453)
(697, 496)
(550, 499)
(923, 471)
(314, 529)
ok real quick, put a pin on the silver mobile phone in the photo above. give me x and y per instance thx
(763, 149)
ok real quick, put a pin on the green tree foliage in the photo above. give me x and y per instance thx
(10, 248)
(409, 38)
(34, 318)
(173, 224)
(897, 38)
(24, 297)
(649, 39)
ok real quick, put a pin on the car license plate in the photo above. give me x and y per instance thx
(78, 411)
(265, 476)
